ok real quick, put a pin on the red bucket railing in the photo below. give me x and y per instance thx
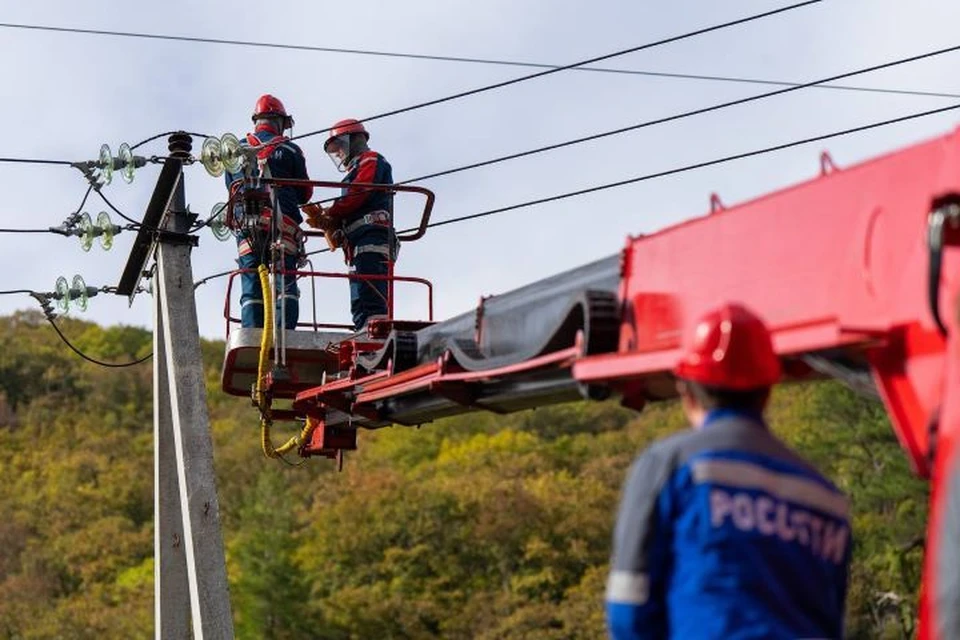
(314, 326)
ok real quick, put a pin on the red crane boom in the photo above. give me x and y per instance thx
(850, 270)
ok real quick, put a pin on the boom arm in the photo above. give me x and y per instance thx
(850, 270)
(838, 266)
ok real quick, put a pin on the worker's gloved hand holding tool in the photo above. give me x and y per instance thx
(317, 218)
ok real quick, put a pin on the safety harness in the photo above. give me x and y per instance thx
(381, 218)
(256, 219)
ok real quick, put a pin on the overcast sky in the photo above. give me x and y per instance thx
(66, 94)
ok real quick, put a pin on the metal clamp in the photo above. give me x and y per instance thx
(175, 238)
(947, 214)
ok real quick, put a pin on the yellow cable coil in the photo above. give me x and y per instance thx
(266, 343)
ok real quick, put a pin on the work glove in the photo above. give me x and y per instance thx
(316, 217)
(334, 238)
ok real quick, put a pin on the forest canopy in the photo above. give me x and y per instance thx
(480, 526)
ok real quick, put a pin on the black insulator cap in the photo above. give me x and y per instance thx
(180, 145)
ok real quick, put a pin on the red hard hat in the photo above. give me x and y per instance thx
(730, 348)
(350, 125)
(270, 106)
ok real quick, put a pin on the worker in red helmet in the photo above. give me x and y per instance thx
(361, 217)
(277, 157)
(722, 530)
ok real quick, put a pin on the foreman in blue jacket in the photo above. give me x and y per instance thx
(723, 531)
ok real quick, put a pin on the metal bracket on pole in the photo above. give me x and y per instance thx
(170, 176)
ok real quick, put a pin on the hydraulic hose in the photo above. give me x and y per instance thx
(263, 398)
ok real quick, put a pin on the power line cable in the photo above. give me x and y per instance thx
(540, 74)
(686, 114)
(165, 134)
(678, 116)
(36, 161)
(218, 275)
(691, 167)
(84, 200)
(112, 365)
(71, 163)
(652, 176)
(74, 217)
(460, 59)
(507, 82)
(135, 223)
(699, 165)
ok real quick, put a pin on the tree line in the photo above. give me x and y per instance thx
(479, 526)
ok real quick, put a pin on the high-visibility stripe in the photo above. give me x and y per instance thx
(788, 487)
(373, 248)
(627, 587)
(379, 216)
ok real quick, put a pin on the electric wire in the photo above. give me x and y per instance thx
(514, 80)
(71, 163)
(217, 275)
(459, 59)
(112, 365)
(672, 118)
(691, 167)
(84, 200)
(683, 169)
(164, 134)
(621, 130)
(650, 176)
(134, 223)
(36, 161)
(540, 74)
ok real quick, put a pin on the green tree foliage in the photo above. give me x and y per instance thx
(855, 445)
(269, 589)
(479, 526)
(75, 486)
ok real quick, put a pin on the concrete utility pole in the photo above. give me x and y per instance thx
(190, 567)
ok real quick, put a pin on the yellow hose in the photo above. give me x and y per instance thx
(263, 402)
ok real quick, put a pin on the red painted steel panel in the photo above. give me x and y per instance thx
(835, 261)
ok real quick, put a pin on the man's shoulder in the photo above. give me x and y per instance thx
(681, 445)
(674, 442)
(743, 440)
(291, 146)
(370, 154)
(666, 453)
(267, 138)
(730, 438)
